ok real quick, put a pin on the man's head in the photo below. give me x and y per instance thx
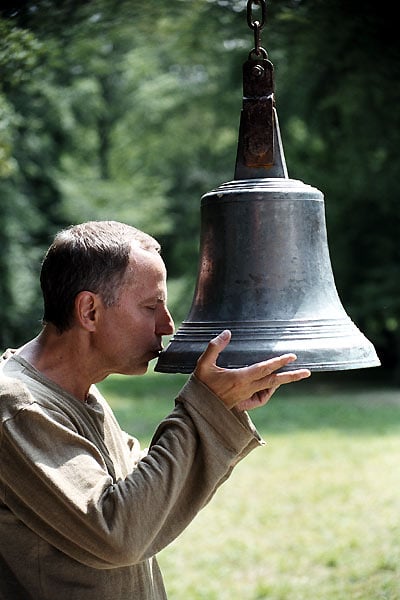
(92, 256)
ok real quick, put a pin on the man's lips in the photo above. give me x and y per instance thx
(156, 352)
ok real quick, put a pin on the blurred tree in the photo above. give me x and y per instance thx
(23, 160)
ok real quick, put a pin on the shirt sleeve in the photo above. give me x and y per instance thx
(57, 483)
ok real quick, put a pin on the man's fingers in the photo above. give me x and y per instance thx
(267, 367)
(278, 379)
(258, 399)
(268, 377)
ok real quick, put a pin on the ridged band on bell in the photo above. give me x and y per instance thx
(265, 274)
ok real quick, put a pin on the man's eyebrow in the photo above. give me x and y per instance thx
(156, 298)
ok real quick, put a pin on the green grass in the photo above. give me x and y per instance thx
(313, 515)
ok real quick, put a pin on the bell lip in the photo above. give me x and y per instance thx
(180, 361)
(188, 368)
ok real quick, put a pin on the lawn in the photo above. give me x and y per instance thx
(313, 515)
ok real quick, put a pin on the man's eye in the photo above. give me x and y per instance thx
(151, 307)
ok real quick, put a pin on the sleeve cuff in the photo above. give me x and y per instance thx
(233, 426)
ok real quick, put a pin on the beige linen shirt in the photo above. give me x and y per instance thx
(83, 511)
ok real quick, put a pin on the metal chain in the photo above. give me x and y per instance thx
(256, 25)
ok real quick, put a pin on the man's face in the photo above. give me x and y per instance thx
(130, 331)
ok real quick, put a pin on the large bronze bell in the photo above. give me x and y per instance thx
(264, 268)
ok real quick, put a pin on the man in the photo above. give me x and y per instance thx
(83, 511)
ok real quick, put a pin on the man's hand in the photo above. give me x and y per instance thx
(247, 387)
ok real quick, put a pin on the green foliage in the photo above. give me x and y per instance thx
(23, 144)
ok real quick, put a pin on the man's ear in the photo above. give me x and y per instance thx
(86, 309)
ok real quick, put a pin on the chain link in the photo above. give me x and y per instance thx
(256, 25)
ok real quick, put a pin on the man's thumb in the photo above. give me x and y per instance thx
(224, 337)
(215, 347)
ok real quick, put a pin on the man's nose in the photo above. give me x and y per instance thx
(165, 324)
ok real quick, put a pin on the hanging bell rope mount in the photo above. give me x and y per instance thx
(260, 150)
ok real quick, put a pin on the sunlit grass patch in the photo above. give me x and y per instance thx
(308, 517)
